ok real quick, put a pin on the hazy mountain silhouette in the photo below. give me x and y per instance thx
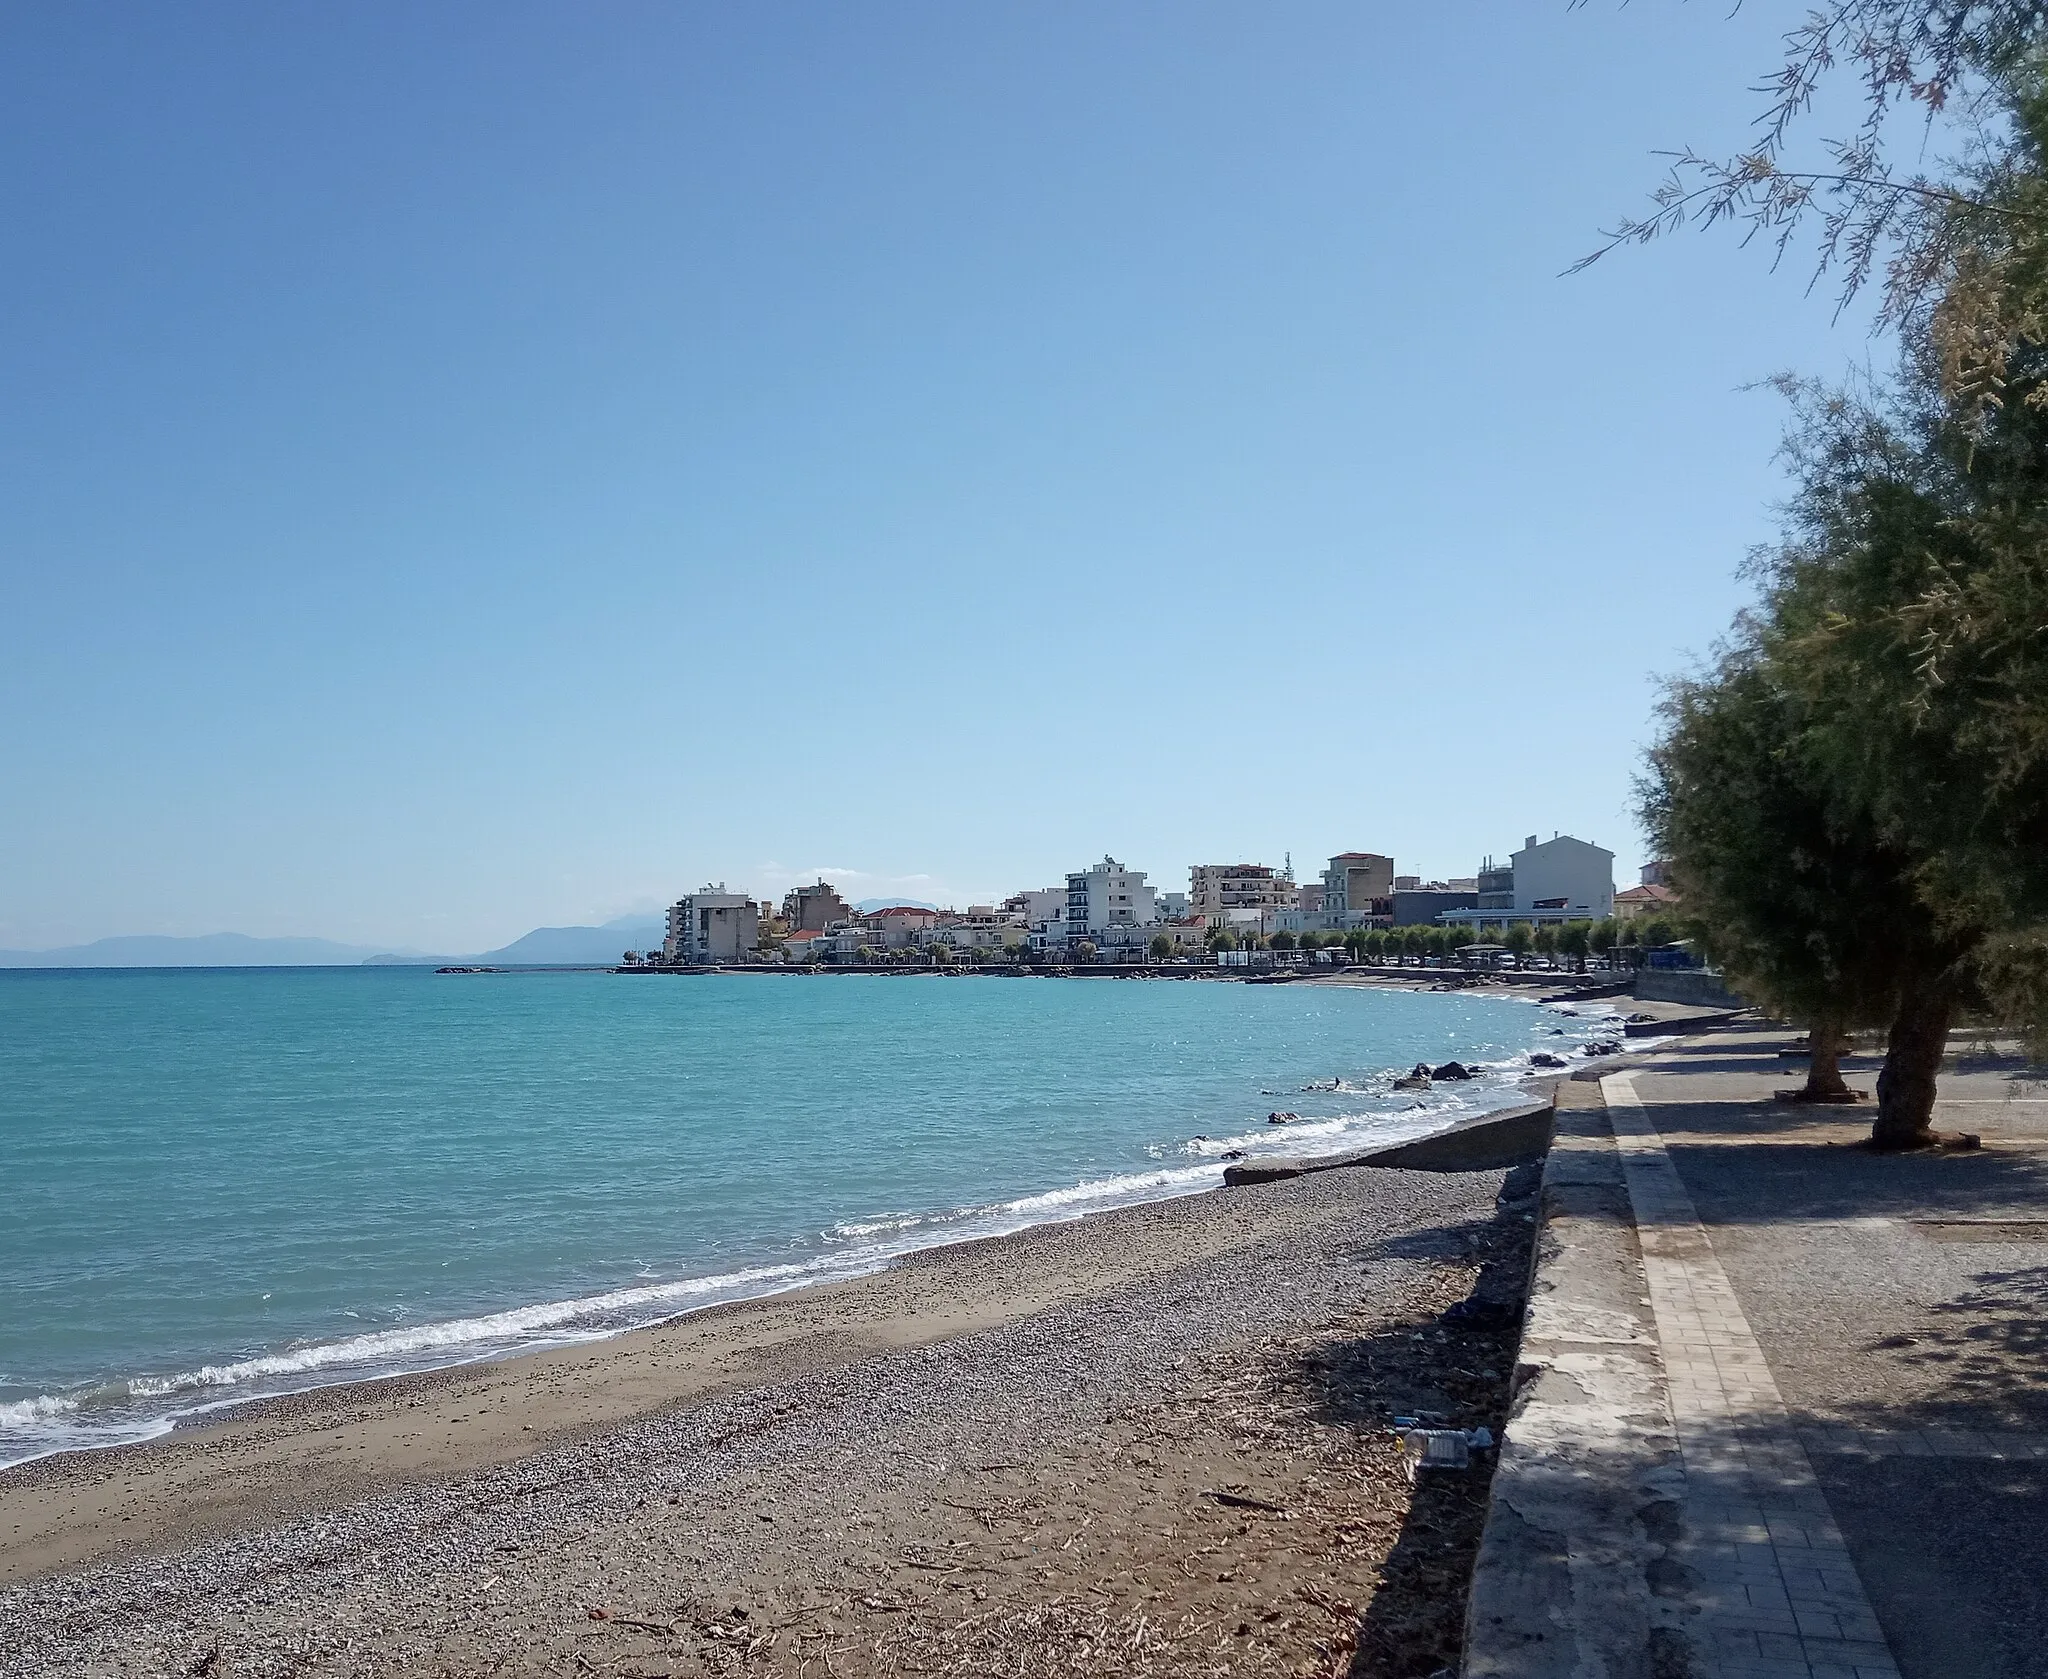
(209, 950)
(576, 946)
(543, 947)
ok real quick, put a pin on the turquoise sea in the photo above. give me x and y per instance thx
(219, 1184)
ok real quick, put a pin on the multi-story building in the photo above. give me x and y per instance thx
(900, 925)
(1558, 879)
(712, 926)
(1356, 881)
(1309, 898)
(980, 928)
(1562, 873)
(812, 909)
(1495, 884)
(1108, 895)
(1219, 891)
(1048, 903)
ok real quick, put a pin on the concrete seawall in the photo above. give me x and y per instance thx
(1488, 1143)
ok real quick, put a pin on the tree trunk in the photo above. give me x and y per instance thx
(1824, 1080)
(1912, 1057)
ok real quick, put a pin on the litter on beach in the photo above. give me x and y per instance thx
(1441, 1448)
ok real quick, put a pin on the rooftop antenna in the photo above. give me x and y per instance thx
(1288, 871)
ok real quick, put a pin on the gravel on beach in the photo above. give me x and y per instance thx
(1187, 1469)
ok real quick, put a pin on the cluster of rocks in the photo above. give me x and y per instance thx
(1422, 1075)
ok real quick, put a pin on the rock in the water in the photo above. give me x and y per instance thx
(1543, 1059)
(1281, 1118)
(1452, 1070)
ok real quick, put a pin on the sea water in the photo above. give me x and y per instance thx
(221, 1184)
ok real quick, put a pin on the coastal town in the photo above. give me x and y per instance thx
(1549, 897)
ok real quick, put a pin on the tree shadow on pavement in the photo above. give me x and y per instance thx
(1988, 1347)
(1746, 1163)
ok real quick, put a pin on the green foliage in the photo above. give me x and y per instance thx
(1281, 941)
(1162, 947)
(1519, 938)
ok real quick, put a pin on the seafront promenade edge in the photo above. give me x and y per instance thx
(1778, 1396)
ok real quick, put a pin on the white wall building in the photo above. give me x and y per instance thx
(1558, 879)
(712, 926)
(1048, 903)
(1565, 874)
(1108, 895)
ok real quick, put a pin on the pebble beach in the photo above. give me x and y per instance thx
(1153, 1440)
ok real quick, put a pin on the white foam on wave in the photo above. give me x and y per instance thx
(520, 1323)
(30, 1413)
(145, 1407)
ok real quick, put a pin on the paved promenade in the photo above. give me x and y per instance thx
(1821, 1438)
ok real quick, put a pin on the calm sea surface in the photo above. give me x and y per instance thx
(218, 1184)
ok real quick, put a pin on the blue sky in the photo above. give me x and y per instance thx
(471, 466)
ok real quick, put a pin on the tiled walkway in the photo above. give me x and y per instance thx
(1778, 1595)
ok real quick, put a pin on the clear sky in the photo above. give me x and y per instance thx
(470, 466)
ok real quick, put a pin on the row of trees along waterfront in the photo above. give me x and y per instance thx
(1854, 791)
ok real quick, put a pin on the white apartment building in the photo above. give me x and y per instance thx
(1108, 895)
(1567, 874)
(1558, 879)
(1219, 891)
(1048, 903)
(712, 926)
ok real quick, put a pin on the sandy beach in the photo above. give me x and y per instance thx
(1150, 1441)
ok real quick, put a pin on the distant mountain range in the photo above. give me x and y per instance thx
(211, 950)
(868, 906)
(543, 947)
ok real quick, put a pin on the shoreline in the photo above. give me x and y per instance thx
(512, 1404)
(761, 1462)
(226, 1410)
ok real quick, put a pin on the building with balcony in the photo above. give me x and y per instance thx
(1355, 881)
(981, 928)
(899, 926)
(1219, 892)
(1108, 895)
(712, 926)
(812, 909)
(1558, 879)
